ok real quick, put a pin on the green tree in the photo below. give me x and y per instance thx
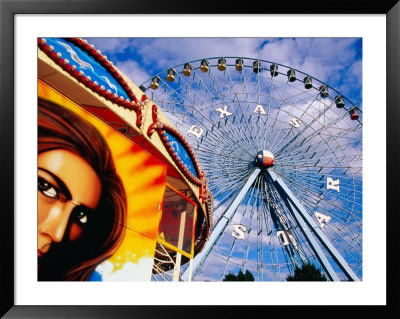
(247, 276)
(307, 272)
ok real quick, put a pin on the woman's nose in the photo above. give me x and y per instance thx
(56, 223)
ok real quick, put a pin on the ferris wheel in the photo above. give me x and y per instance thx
(282, 154)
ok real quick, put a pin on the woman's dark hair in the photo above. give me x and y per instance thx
(60, 128)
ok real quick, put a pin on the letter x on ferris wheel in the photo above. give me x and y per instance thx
(282, 154)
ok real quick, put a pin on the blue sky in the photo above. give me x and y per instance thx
(335, 61)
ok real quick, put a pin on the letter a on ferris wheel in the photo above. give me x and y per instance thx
(282, 154)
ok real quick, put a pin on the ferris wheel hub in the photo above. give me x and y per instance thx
(265, 158)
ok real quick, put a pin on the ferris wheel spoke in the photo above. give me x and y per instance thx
(322, 149)
(220, 193)
(298, 165)
(272, 129)
(219, 89)
(318, 186)
(320, 177)
(225, 198)
(215, 185)
(294, 122)
(348, 193)
(306, 127)
(221, 225)
(334, 171)
(241, 136)
(204, 156)
(353, 242)
(282, 224)
(218, 84)
(310, 206)
(236, 98)
(312, 197)
(253, 212)
(341, 172)
(277, 138)
(244, 206)
(302, 217)
(269, 97)
(221, 150)
(325, 200)
(323, 131)
(260, 213)
(318, 149)
(314, 132)
(215, 127)
(322, 156)
(250, 132)
(345, 241)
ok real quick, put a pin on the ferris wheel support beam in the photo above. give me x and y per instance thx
(307, 223)
(221, 225)
(314, 245)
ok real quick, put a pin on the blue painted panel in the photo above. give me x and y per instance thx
(182, 153)
(84, 62)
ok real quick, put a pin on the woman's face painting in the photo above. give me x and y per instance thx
(68, 193)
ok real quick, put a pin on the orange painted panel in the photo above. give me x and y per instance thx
(143, 176)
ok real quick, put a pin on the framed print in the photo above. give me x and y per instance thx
(170, 145)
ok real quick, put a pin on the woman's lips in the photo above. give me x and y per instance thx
(40, 254)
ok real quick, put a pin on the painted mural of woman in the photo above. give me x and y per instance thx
(81, 199)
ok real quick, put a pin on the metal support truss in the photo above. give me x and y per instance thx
(308, 225)
(221, 225)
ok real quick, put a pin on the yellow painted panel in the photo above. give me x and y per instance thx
(143, 176)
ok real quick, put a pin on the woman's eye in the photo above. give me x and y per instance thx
(82, 217)
(46, 188)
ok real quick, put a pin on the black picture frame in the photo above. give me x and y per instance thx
(8, 10)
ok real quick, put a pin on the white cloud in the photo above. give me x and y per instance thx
(167, 52)
(110, 45)
(133, 70)
(332, 60)
(140, 271)
(352, 78)
(323, 58)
